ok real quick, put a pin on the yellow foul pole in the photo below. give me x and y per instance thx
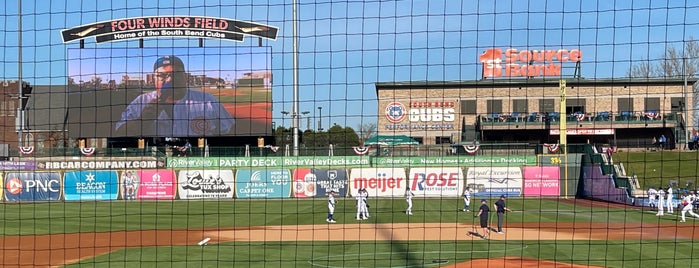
(562, 130)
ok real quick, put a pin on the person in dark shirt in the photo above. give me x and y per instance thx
(500, 209)
(483, 212)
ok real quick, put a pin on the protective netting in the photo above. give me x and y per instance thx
(349, 133)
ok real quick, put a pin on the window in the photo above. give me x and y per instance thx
(625, 104)
(575, 106)
(520, 106)
(676, 104)
(547, 106)
(468, 107)
(442, 140)
(494, 106)
(652, 104)
(418, 139)
(7, 108)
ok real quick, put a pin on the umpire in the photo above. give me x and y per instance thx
(500, 209)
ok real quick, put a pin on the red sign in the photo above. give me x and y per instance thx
(584, 131)
(529, 63)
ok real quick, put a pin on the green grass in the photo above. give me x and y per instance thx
(659, 168)
(72, 217)
(402, 254)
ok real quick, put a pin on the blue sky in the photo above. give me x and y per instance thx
(347, 46)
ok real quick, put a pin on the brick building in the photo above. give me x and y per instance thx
(624, 112)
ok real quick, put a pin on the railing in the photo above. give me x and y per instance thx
(624, 116)
(503, 149)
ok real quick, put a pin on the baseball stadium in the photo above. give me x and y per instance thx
(349, 134)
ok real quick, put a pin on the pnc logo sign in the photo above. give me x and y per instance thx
(530, 63)
(14, 186)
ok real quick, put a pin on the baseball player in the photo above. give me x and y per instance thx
(661, 199)
(688, 202)
(365, 195)
(361, 205)
(331, 207)
(668, 201)
(409, 199)
(467, 199)
(652, 195)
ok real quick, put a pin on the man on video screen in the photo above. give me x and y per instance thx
(173, 109)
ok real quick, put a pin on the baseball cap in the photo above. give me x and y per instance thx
(169, 60)
(482, 200)
(503, 196)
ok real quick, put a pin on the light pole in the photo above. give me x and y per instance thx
(307, 118)
(320, 118)
(295, 109)
(284, 113)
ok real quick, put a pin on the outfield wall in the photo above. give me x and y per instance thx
(277, 177)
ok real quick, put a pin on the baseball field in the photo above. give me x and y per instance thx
(556, 232)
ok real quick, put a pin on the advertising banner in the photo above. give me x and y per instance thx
(309, 182)
(62, 165)
(384, 182)
(32, 186)
(456, 161)
(153, 184)
(17, 165)
(91, 185)
(495, 181)
(436, 182)
(205, 184)
(267, 162)
(541, 181)
(266, 183)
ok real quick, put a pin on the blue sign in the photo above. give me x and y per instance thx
(91, 185)
(330, 180)
(32, 186)
(265, 183)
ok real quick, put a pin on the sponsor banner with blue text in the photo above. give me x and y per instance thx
(205, 184)
(384, 182)
(265, 183)
(436, 182)
(32, 186)
(91, 185)
(495, 181)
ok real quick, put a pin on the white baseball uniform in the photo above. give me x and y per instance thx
(661, 200)
(467, 199)
(689, 199)
(668, 201)
(331, 208)
(652, 193)
(365, 205)
(409, 199)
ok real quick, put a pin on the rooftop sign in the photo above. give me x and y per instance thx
(529, 63)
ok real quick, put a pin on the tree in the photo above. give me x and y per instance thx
(367, 130)
(670, 65)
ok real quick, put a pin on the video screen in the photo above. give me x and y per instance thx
(169, 92)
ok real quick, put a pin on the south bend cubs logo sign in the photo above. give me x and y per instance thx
(395, 112)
